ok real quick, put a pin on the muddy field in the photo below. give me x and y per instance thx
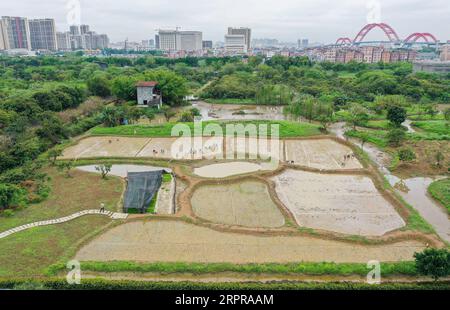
(321, 154)
(224, 170)
(340, 203)
(244, 204)
(164, 148)
(173, 241)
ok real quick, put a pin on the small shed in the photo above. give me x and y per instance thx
(148, 94)
(141, 188)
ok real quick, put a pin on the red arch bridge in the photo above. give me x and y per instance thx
(390, 33)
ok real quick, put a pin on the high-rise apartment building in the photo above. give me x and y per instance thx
(84, 29)
(74, 30)
(43, 34)
(246, 32)
(235, 44)
(17, 32)
(174, 40)
(4, 43)
(63, 41)
(207, 45)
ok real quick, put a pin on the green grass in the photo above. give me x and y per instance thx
(379, 124)
(29, 252)
(103, 284)
(287, 129)
(304, 268)
(438, 127)
(377, 137)
(420, 117)
(440, 190)
(166, 177)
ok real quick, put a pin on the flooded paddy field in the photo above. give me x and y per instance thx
(224, 170)
(341, 203)
(176, 241)
(321, 154)
(245, 204)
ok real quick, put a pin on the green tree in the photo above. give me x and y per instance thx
(104, 169)
(433, 262)
(66, 166)
(172, 86)
(111, 116)
(99, 86)
(186, 117)
(10, 196)
(168, 112)
(396, 115)
(53, 154)
(357, 115)
(124, 87)
(396, 136)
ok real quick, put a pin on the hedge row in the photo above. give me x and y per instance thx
(100, 284)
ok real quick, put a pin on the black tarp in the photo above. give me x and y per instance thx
(141, 188)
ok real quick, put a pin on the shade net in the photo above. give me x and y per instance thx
(141, 188)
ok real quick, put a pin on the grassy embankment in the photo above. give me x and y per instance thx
(440, 190)
(304, 268)
(287, 129)
(101, 284)
(30, 252)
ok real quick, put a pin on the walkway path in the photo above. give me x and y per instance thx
(113, 215)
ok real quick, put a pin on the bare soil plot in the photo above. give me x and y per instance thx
(166, 148)
(173, 241)
(244, 204)
(320, 154)
(341, 203)
(105, 147)
(253, 148)
(224, 170)
(183, 148)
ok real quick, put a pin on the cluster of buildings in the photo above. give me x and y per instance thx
(366, 54)
(179, 43)
(81, 38)
(21, 33)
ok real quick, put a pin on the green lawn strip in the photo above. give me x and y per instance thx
(378, 124)
(438, 127)
(400, 268)
(376, 137)
(440, 190)
(287, 129)
(420, 117)
(103, 284)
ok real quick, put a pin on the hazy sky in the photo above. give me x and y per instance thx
(286, 20)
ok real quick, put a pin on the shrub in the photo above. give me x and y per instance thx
(396, 136)
(406, 155)
(433, 262)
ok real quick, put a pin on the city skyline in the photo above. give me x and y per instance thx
(287, 21)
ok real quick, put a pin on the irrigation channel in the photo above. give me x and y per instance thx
(417, 188)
